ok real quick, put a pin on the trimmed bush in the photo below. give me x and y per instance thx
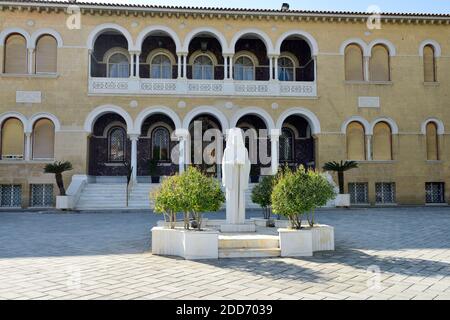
(262, 194)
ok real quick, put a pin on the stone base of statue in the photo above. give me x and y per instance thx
(238, 228)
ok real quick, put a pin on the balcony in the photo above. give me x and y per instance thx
(137, 86)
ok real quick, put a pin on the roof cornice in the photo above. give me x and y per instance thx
(221, 13)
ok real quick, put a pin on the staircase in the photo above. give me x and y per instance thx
(104, 196)
(249, 246)
(101, 196)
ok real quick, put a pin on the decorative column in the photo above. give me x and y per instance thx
(271, 68)
(274, 145)
(369, 146)
(27, 146)
(30, 60)
(230, 74)
(134, 139)
(225, 67)
(138, 56)
(179, 75)
(366, 68)
(275, 76)
(132, 64)
(185, 66)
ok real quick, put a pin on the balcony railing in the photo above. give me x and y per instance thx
(201, 87)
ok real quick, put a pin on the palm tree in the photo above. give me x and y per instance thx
(57, 168)
(340, 168)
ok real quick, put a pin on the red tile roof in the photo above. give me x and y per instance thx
(214, 9)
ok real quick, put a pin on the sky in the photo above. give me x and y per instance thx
(404, 6)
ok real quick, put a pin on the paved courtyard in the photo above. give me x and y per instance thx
(398, 253)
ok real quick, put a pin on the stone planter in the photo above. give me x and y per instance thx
(296, 243)
(322, 238)
(188, 244)
(342, 201)
(179, 223)
(64, 202)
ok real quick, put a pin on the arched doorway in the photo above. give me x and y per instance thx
(206, 144)
(109, 146)
(296, 143)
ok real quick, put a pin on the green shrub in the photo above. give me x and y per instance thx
(262, 194)
(299, 192)
(200, 194)
(167, 199)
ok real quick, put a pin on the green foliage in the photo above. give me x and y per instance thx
(191, 193)
(299, 192)
(200, 194)
(262, 194)
(167, 199)
(57, 168)
(340, 168)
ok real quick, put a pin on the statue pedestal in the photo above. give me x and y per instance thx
(237, 228)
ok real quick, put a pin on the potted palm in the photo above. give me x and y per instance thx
(58, 168)
(342, 199)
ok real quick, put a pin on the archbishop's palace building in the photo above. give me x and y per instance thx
(99, 85)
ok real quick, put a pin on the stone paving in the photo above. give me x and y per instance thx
(381, 253)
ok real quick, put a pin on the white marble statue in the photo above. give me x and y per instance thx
(235, 175)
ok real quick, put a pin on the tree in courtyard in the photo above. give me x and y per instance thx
(340, 168)
(262, 194)
(58, 168)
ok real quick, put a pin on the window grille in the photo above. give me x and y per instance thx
(385, 192)
(359, 193)
(117, 144)
(434, 192)
(10, 195)
(41, 195)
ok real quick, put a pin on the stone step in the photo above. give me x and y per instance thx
(248, 242)
(249, 253)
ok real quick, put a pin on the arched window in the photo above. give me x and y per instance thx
(286, 145)
(382, 141)
(43, 139)
(12, 139)
(356, 145)
(160, 144)
(354, 63)
(429, 64)
(286, 69)
(16, 60)
(203, 68)
(117, 144)
(432, 142)
(118, 66)
(161, 67)
(46, 54)
(379, 64)
(244, 69)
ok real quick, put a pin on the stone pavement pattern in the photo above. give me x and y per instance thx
(400, 253)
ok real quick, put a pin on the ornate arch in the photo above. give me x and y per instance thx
(307, 114)
(302, 34)
(108, 108)
(364, 46)
(256, 32)
(144, 114)
(7, 32)
(211, 31)
(44, 115)
(434, 44)
(151, 29)
(389, 45)
(361, 120)
(262, 114)
(93, 35)
(389, 121)
(439, 124)
(206, 110)
(17, 115)
(46, 31)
